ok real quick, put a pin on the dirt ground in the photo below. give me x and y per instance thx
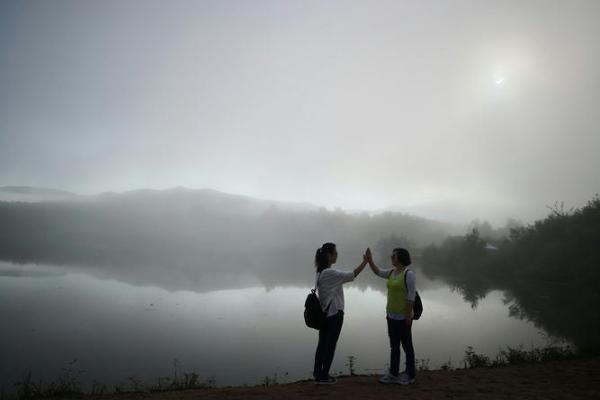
(573, 379)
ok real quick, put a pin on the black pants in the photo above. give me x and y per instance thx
(400, 333)
(328, 337)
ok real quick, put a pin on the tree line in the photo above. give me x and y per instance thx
(549, 270)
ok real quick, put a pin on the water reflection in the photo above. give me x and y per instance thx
(567, 312)
(570, 312)
(116, 330)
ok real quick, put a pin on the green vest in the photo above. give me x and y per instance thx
(396, 294)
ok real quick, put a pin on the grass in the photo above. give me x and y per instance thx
(270, 381)
(68, 384)
(422, 364)
(351, 364)
(517, 356)
(447, 366)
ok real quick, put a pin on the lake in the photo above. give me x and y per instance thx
(105, 330)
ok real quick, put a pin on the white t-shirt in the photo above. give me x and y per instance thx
(329, 286)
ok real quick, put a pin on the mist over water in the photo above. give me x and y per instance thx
(198, 240)
(122, 288)
(53, 316)
(167, 171)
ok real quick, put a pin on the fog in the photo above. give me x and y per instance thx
(451, 110)
(168, 170)
(199, 240)
(116, 331)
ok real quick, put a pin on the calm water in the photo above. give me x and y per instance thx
(116, 330)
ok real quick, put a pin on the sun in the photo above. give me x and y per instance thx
(499, 81)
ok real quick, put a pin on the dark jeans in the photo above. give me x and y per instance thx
(400, 333)
(328, 337)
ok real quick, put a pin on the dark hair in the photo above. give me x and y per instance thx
(321, 258)
(403, 256)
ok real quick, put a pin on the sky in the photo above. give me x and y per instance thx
(447, 109)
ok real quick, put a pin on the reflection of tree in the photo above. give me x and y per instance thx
(472, 290)
(564, 311)
(549, 271)
(560, 309)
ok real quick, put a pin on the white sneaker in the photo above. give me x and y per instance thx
(405, 380)
(330, 380)
(389, 378)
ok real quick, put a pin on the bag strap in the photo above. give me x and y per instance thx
(316, 282)
(405, 273)
(315, 289)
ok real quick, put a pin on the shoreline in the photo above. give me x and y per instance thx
(573, 378)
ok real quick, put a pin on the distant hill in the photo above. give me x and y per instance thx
(33, 194)
(198, 239)
(209, 199)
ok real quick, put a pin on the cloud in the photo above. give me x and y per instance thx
(339, 104)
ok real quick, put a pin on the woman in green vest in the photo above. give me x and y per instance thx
(401, 292)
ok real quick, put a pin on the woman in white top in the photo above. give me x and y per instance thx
(331, 296)
(401, 295)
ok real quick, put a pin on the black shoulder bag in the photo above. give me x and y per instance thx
(314, 317)
(418, 305)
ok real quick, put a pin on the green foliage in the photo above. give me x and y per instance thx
(422, 364)
(180, 381)
(447, 366)
(270, 381)
(517, 356)
(548, 270)
(476, 360)
(67, 385)
(539, 251)
(351, 364)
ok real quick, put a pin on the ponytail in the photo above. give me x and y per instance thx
(322, 256)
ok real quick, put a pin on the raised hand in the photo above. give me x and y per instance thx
(368, 256)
